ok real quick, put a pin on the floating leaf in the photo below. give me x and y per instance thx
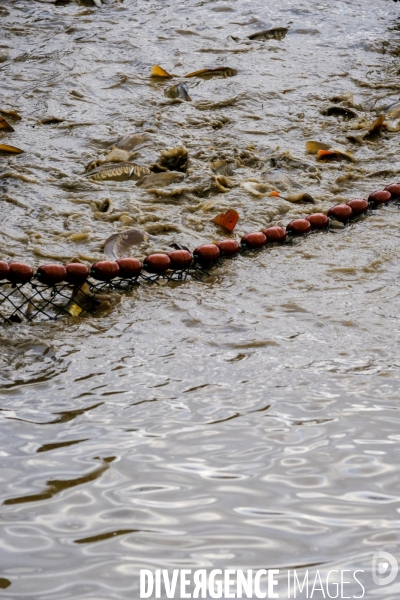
(313, 147)
(10, 149)
(4, 125)
(227, 219)
(217, 72)
(157, 71)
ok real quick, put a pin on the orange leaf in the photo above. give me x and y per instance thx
(227, 220)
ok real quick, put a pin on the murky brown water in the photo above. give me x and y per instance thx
(246, 421)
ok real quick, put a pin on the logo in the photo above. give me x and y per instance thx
(384, 568)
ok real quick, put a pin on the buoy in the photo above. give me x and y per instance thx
(157, 263)
(254, 240)
(299, 226)
(228, 247)
(77, 273)
(180, 259)
(394, 189)
(51, 274)
(129, 267)
(206, 254)
(104, 270)
(340, 212)
(358, 206)
(4, 270)
(380, 197)
(318, 221)
(275, 235)
(19, 272)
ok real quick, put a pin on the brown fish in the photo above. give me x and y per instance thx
(10, 149)
(4, 125)
(123, 171)
(340, 111)
(155, 180)
(216, 72)
(178, 91)
(10, 113)
(276, 33)
(118, 245)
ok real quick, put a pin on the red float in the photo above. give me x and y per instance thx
(77, 273)
(228, 247)
(318, 221)
(254, 240)
(275, 235)
(157, 263)
(206, 254)
(105, 270)
(180, 259)
(51, 274)
(394, 189)
(129, 267)
(19, 272)
(299, 226)
(4, 270)
(358, 206)
(341, 212)
(380, 197)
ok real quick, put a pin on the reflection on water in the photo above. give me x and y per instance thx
(246, 421)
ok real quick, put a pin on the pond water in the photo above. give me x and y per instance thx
(248, 420)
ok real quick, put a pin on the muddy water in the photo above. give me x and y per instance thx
(246, 421)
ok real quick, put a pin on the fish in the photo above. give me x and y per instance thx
(216, 72)
(157, 71)
(227, 220)
(178, 91)
(172, 159)
(10, 149)
(312, 147)
(10, 113)
(123, 171)
(340, 111)
(334, 155)
(118, 245)
(374, 130)
(222, 167)
(162, 179)
(302, 197)
(133, 140)
(276, 33)
(5, 125)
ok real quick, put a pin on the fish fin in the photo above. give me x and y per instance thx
(313, 147)
(10, 149)
(157, 71)
(275, 193)
(5, 125)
